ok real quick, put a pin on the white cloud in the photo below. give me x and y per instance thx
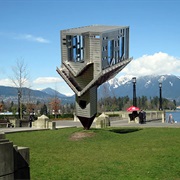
(30, 37)
(157, 64)
(47, 80)
(39, 83)
(69, 94)
(6, 82)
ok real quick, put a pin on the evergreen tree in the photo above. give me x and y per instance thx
(43, 110)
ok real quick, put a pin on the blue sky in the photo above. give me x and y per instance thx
(30, 30)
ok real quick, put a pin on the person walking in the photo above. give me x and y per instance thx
(170, 119)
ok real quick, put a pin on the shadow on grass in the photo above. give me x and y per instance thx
(124, 131)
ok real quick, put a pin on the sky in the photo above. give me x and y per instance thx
(30, 32)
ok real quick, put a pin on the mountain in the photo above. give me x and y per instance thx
(54, 93)
(11, 94)
(145, 86)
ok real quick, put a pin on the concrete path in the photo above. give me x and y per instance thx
(124, 123)
(119, 123)
(71, 123)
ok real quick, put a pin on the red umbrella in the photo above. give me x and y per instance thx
(132, 108)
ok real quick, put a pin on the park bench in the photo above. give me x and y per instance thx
(5, 123)
(24, 122)
(27, 121)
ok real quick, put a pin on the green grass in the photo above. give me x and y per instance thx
(119, 153)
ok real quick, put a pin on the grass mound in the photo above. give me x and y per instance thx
(114, 153)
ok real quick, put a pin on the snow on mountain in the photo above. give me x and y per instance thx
(171, 84)
(114, 83)
(148, 83)
(162, 78)
(124, 79)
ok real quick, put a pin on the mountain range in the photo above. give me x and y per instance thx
(145, 86)
(29, 95)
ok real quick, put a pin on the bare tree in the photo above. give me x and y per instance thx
(20, 77)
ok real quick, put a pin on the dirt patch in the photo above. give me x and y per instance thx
(81, 135)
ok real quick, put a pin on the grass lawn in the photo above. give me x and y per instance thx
(107, 154)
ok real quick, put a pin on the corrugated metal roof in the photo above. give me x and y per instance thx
(93, 29)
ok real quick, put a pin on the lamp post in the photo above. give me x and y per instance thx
(160, 96)
(134, 91)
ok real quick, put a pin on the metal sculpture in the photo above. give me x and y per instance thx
(90, 56)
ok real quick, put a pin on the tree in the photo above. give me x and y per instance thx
(55, 106)
(20, 77)
(44, 110)
(30, 107)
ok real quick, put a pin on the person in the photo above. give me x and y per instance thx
(31, 118)
(133, 115)
(142, 117)
(170, 119)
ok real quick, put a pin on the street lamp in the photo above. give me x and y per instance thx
(134, 91)
(160, 96)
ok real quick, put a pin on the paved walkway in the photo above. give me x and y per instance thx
(71, 123)
(119, 123)
(124, 123)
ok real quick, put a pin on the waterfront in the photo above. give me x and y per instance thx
(175, 114)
